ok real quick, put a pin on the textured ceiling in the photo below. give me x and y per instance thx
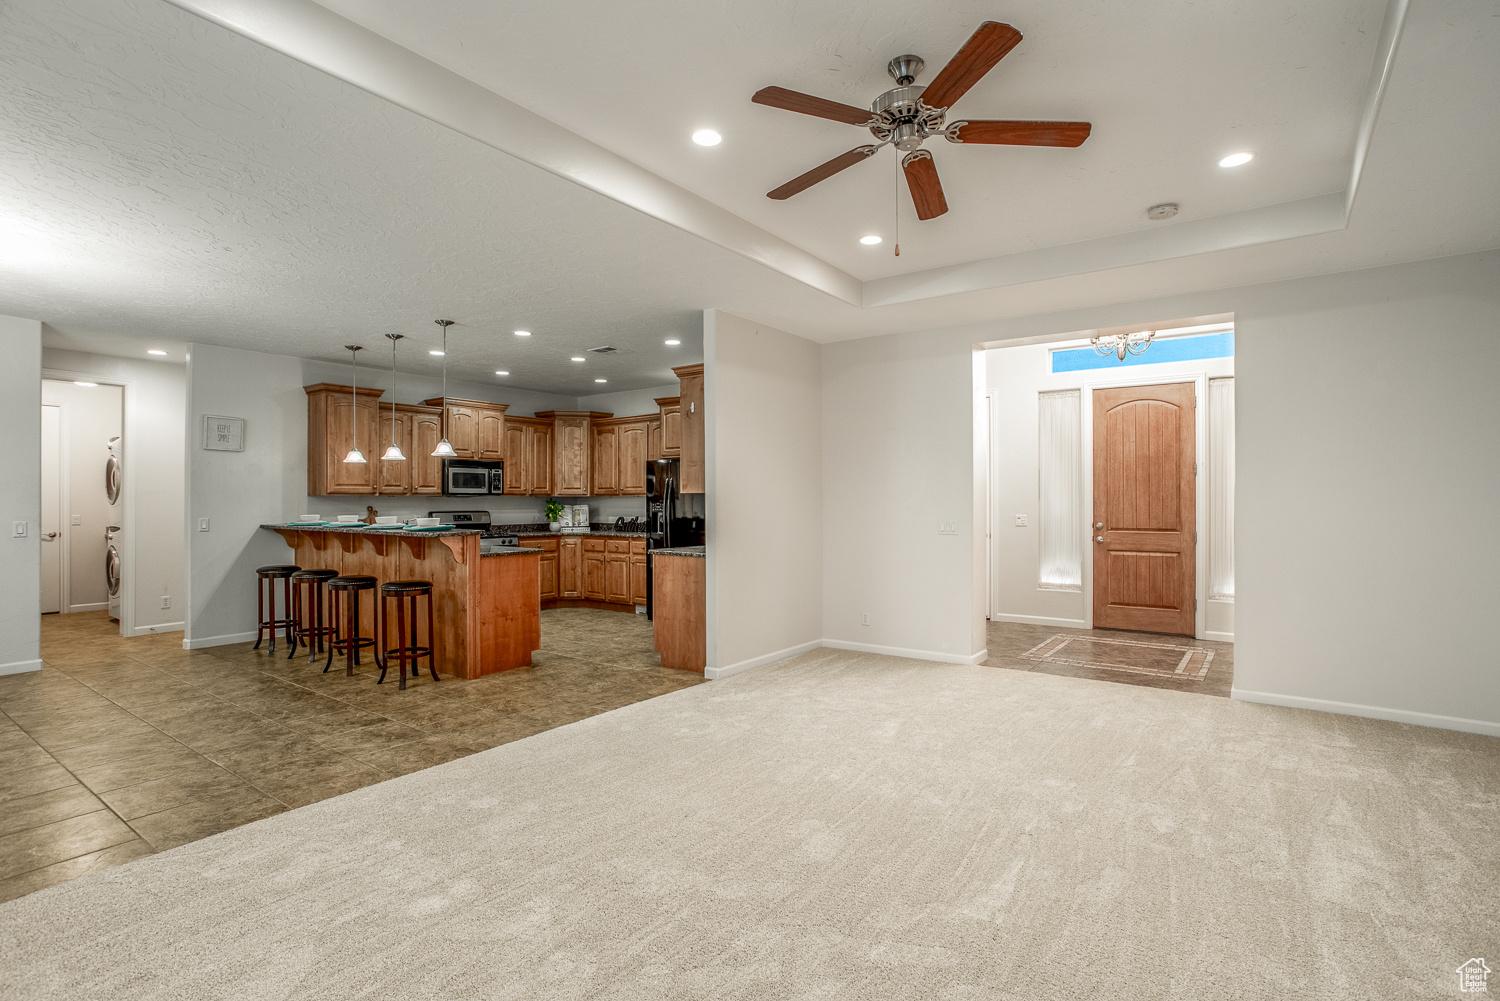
(168, 180)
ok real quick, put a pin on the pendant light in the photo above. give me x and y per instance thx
(355, 455)
(444, 449)
(394, 452)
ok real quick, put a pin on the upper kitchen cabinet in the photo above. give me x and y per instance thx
(606, 462)
(669, 409)
(653, 439)
(528, 456)
(572, 444)
(690, 377)
(632, 450)
(337, 416)
(425, 430)
(476, 428)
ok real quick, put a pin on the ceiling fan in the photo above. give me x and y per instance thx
(909, 114)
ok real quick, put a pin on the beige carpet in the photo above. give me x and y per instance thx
(840, 826)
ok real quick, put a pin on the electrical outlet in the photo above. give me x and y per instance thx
(166, 601)
(20, 530)
(202, 524)
(864, 618)
(1020, 521)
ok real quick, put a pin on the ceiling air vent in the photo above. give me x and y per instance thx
(609, 349)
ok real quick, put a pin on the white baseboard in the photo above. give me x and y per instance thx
(1491, 729)
(1219, 637)
(715, 673)
(1039, 620)
(165, 627)
(93, 606)
(199, 642)
(895, 651)
(20, 667)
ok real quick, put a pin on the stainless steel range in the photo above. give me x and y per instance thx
(491, 540)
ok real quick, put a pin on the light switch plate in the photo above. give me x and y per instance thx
(78, 519)
(20, 529)
(1020, 521)
(202, 524)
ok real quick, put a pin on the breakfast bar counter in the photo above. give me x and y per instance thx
(486, 611)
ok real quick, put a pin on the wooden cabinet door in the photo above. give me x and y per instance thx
(568, 569)
(426, 475)
(606, 461)
(617, 578)
(671, 432)
(391, 475)
(463, 431)
(638, 579)
(549, 576)
(490, 443)
(517, 459)
(632, 462)
(653, 439)
(541, 460)
(570, 470)
(693, 439)
(593, 576)
(344, 418)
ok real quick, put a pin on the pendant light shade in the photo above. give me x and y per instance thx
(444, 448)
(394, 452)
(355, 455)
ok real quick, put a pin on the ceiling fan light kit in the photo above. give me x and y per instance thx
(909, 114)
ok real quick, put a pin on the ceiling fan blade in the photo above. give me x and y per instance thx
(1002, 133)
(806, 104)
(821, 172)
(986, 47)
(926, 189)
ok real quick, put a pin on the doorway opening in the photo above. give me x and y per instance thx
(1110, 551)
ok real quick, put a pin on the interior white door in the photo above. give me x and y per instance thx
(50, 529)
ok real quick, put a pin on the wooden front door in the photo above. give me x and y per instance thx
(1144, 533)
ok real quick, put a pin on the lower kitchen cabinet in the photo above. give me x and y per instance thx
(610, 569)
(593, 569)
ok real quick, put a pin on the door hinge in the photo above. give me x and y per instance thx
(1195, 467)
(1195, 537)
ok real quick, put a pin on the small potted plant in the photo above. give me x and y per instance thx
(554, 511)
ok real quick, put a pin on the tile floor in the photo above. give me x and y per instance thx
(120, 748)
(1134, 658)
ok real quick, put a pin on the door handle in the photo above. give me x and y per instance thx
(50, 535)
(1098, 538)
(1098, 524)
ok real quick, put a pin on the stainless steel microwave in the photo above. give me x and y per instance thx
(470, 476)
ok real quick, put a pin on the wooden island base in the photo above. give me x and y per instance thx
(679, 612)
(486, 610)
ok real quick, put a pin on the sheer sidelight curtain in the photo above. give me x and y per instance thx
(1060, 461)
(1221, 488)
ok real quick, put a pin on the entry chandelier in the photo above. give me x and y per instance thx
(355, 455)
(1120, 345)
(444, 449)
(394, 452)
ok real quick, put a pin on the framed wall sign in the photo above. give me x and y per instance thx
(226, 434)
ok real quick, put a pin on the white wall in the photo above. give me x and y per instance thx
(1016, 375)
(899, 439)
(764, 496)
(632, 402)
(20, 494)
(153, 553)
(91, 416)
(1366, 481)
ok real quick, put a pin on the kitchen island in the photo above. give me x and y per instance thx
(679, 608)
(486, 607)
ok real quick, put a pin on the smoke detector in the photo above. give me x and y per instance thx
(1165, 210)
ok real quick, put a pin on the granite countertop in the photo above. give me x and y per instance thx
(374, 530)
(698, 551)
(509, 551)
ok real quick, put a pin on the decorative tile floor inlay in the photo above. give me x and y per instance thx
(1168, 660)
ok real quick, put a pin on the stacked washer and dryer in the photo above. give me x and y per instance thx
(113, 476)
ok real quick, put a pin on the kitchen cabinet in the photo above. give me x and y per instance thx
(691, 404)
(638, 571)
(391, 474)
(606, 462)
(517, 458)
(593, 569)
(619, 456)
(539, 435)
(669, 411)
(653, 439)
(569, 572)
(608, 569)
(476, 428)
(631, 480)
(571, 450)
(549, 565)
(336, 417)
(416, 430)
(617, 571)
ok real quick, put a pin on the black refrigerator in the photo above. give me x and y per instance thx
(669, 519)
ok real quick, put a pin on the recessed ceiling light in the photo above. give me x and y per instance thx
(155, 351)
(88, 384)
(601, 380)
(707, 137)
(673, 342)
(577, 358)
(523, 333)
(869, 241)
(1236, 159)
(502, 372)
(435, 351)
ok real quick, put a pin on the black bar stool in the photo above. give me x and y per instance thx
(307, 611)
(343, 594)
(265, 593)
(405, 594)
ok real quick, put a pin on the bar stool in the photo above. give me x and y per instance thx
(265, 591)
(405, 594)
(343, 594)
(307, 610)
